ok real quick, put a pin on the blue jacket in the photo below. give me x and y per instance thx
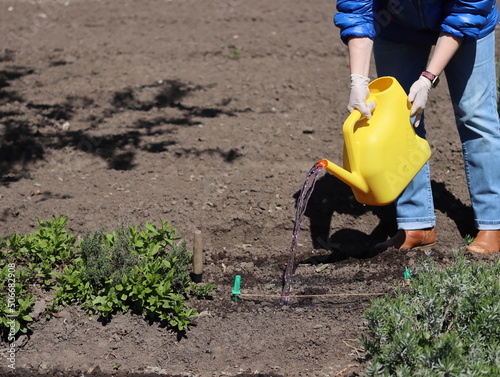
(415, 22)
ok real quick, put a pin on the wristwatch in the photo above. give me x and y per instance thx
(432, 77)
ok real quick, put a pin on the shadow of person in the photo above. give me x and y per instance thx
(331, 196)
(461, 214)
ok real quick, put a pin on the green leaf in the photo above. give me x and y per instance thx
(17, 326)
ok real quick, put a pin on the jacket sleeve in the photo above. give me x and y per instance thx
(355, 19)
(465, 19)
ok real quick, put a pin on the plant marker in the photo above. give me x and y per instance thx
(236, 288)
(197, 257)
(407, 276)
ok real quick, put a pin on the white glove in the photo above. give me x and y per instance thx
(359, 94)
(419, 93)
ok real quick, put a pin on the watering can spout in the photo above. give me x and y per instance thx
(354, 180)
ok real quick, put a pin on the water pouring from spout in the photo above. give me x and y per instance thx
(302, 201)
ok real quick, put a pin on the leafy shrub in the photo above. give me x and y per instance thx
(44, 252)
(447, 324)
(15, 302)
(27, 260)
(142, 271)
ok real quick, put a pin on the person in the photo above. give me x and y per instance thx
(415, 41)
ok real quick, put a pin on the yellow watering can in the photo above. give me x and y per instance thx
(381, 154)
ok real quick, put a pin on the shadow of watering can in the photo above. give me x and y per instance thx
(381, 154)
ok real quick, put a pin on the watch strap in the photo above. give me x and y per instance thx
(434, 79)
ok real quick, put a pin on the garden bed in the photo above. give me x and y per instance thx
(208, 115)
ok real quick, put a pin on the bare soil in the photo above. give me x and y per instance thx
(208, 115)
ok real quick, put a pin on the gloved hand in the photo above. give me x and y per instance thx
(419, 93)
(359, 94)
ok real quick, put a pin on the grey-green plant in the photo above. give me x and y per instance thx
(447, 324)
(107, 257)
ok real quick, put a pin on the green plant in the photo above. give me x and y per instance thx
(152, 240)
(447, 324)
(130, 269)
(44, 252)
(234, 53)
(107, 257)
(36, 258)
(468, 239)
(15, 302)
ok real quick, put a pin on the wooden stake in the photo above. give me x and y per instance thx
(197, 257)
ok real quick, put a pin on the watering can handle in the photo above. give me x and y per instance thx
(351, 120)
(348, 131)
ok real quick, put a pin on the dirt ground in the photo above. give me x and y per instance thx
(208, 115)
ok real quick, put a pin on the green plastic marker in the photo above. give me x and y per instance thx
(407, 276)
(236, 288)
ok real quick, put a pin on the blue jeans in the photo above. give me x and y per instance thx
(471, 76)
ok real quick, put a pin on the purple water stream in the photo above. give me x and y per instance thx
(304, 196)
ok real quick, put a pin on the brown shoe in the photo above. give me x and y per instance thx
(486, 242)
(422, 239)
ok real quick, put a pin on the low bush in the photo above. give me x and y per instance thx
(29, 260)
(446, 324)
(15, 301)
